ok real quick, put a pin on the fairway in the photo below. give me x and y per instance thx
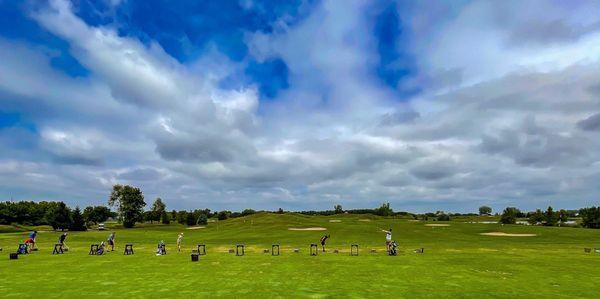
(457, 261)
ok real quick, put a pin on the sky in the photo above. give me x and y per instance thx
(433, 105)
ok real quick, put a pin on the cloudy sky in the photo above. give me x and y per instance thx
(444, 105)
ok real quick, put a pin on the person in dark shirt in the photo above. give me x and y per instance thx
(61, 241)
(111, 241)
(323, 240)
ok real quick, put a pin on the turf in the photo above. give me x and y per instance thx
(458, 261)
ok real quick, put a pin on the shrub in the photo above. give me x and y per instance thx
(443, 217)
(536, 217)
(203, 219)
(223, 215)
(509, 215)
(590, 217)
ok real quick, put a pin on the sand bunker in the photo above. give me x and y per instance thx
(437, 225)
(307, 228)
(501, 234)
(333, 220)
(365, 220)
(196, 227)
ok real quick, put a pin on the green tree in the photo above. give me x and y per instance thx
(165, 218)
(97, 214)
(203, 219)
(59, 216)
(590, 217)
(223, 215)
(443, 217)
(485, 210)
(247, 212)
(158, 207)
(384, 210)
(130, 203)
(551, 218)
(536, 217)
(280, 211)
(509, 215)
(78, 221)
(338, 209)
(563, 216)
(190, 219)
(182, 217)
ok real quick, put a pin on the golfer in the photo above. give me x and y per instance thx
(61, 241)
(179, 240)
(111, 241)
(31, 240)
(388, 238)
(323, 240)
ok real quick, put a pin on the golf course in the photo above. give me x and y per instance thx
(459, 259)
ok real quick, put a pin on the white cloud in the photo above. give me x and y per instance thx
(507, 115)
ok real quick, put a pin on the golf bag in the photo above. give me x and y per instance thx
(22, 249)
(160, 249)
(393, 250)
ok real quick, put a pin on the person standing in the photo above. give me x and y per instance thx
(179, 240)
(388, 238)
(323, 240)
(61, 241)
(111, 241)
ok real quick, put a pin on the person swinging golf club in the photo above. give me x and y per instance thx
(179, 240)
(388, 239)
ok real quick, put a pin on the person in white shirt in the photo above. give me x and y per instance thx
(179, 239)
(388, 238)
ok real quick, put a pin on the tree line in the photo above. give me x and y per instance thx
(129, 202)
(56, 214)
(590, 217)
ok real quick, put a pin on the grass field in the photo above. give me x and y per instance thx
(458, 261)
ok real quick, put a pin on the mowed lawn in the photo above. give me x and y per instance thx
(457, 262)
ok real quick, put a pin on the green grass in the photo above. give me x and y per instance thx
(458, 262)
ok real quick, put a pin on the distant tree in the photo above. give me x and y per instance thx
(158, 207)
(563, 216)
(384, 210)
(203, 219)
(536, 217)
(59, 216)
(174, 215)
(78, 223)
(223, 215)
(280, 211)
(182, 217)
(97, 214)
(443, 217)
(247, 212)
(130, 203)
(485, 210)
(190, 219)
(590, 217)
(509, 215)
(165, 218)
(338, 209)
(551, 217)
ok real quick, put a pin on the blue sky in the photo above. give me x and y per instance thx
(302, 104)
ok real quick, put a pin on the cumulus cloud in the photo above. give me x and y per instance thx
(507, 112)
